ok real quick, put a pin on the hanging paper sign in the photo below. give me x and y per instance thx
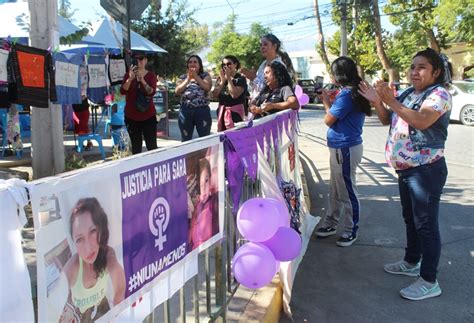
(3, 65)
(97, 76)
(67, 74)
(116, 70)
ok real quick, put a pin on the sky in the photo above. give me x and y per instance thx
(275, 14)
(290, 21)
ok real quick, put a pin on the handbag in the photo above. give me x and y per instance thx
(142, 102)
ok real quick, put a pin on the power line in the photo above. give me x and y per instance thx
(367, 16)
(220, 5)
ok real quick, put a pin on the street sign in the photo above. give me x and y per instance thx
(118, 9)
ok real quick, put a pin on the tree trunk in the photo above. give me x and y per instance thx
(434, 44)
(320, 37)
(355, 22)
(392, 73)
(47, 144)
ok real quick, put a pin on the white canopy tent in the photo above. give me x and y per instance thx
(108, 32)
(15, 18)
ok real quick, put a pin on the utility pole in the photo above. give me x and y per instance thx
(127, 41)
(343, 5)
(47, 143)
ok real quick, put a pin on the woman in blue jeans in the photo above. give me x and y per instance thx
(418, 119)
(194, 111)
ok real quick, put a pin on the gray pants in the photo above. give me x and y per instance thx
(343, 194)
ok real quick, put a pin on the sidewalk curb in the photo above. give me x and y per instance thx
(276, 305)
(260, 305)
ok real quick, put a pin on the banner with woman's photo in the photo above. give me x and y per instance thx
(111, 236)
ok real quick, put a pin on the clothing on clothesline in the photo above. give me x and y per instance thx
(3, 66)
(31, 76)
(84, 77)
(4, 99)
(81, 117)
(117, 69)
(96, 68)
(68, 81)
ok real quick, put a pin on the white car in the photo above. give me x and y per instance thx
(463, 102)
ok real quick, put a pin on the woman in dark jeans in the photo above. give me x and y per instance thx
(418, 118)
(194, 111)
(141, 123)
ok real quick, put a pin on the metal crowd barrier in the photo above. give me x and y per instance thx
(217, 282)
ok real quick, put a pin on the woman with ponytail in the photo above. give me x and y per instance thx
(419, 119)
(345, 118)
(270, 47)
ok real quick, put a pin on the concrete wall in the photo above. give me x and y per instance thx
(308, 64)
(461, 56)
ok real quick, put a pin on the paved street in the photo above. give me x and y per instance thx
(336, 284)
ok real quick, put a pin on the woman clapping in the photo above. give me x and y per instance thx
(194, 111)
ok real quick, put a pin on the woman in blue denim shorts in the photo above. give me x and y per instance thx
(194, 111)
(418, 119)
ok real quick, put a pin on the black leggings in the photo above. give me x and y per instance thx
(139, 130)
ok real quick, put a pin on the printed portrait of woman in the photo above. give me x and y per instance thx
(94, 268)
(205, 218)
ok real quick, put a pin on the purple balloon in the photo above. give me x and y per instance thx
(253, 265)
(283, 213)
(256, 219)
(285, 244)
(303, 99)
(298, 91)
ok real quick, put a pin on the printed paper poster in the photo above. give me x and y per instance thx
(109, 235)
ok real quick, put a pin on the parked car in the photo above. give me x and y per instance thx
(308, 87)
(332, 90)
(463, 102)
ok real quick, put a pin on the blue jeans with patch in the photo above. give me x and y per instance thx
(190, 117)
(420, 192)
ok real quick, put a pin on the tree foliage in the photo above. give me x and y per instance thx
(361, 37)
(65, 11)
(175, 30)
(246, 47)
(418, 16)
(419, 23)
(456, 19)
